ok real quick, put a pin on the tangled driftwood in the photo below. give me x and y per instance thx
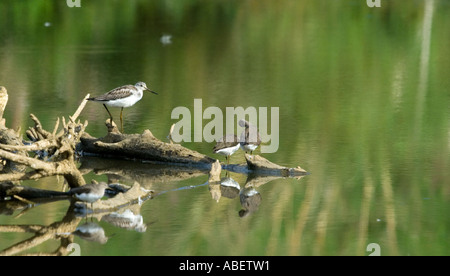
(54, 152)
(43, 233)
(127, 201)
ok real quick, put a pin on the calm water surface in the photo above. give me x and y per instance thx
(363, 96)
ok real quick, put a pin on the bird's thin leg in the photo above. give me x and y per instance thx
(110, 116)
(121, 120)
(228, 159)
(85, 210)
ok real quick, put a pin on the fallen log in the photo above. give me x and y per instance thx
(257, 164)
(129, 196)
(260, 164)
(146, 147)
(147, 174)
(56, 150)
(143, 147)
(9, 190)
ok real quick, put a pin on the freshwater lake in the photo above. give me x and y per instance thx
(363, 96)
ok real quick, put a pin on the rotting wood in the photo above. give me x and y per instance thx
(214, 173)
(64, 230)
(10, 139)
(9, 190)
(146, 147)
(124, 197)
(43, 233)
(146, 173)
(131, 196)
(142, 146)
(57, 149)
(258, 163)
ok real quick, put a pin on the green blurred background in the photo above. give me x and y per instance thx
(363, 95)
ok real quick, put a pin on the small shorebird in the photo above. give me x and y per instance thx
(227, 145)
(250, 138)
(123, 96)
(89, 192)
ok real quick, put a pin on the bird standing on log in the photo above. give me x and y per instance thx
(123, 96)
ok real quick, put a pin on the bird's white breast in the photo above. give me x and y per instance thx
(228, 151)
(87, 197)
(248, 147)
(126, 102)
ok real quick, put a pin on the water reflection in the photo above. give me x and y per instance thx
(91, 231)
(121, 208)
(227, 187)
(249, 196)
(126, 220)
(58, 230)
(66, 229)
(250, 201)
(122, 211)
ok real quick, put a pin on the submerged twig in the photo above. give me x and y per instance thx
(39, 145)
(56, 127)
(80, 108)
(24, 199)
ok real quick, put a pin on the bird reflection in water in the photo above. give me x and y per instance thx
(249, 197)
(250, 201)
(127, 220)
(92, 232)
(229, 188)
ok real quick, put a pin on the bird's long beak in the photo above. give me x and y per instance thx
(152, 91)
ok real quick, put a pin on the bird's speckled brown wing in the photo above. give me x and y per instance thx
(229, 140)
(116, 93)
